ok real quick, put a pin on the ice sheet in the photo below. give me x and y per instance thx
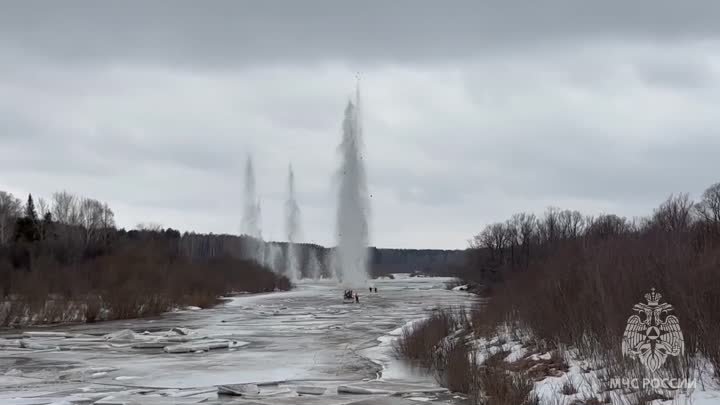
(304, 337)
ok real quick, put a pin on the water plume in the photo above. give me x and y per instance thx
(352, 210)
(331, 264)
(313, 265)
(271, 257)
(251, 206)
(292, 227)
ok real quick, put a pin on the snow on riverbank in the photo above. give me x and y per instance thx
(575, 381)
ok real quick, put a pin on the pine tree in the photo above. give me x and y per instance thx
(27, 228)
(30, 212)
(46, 226)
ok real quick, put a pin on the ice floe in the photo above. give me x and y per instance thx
(297, 347)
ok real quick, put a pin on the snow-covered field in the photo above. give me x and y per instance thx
(305, 340)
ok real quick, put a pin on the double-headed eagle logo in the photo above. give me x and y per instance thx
(649, 337)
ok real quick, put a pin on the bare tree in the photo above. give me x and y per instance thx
(43, 207)
(108, 217)
(107, 222)
(495, 238)
(64, 208)
(571, 224)
(90, 215)
(10, 210)
(492, 240)
(525, 225)
(512, 236)
(549, 226)
(43, 210)
(606, 226)
(708, 208)
(675, 214)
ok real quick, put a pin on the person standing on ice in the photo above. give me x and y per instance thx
(370, 289)
(357, 298)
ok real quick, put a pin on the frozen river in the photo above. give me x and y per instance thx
(283, 342)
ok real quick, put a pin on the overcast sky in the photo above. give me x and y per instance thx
(473, 110)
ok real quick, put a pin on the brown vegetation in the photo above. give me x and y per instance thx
(441, 344)
(420, 341)
(431, 344)
(498, 387)
(81, 268)
(572, 281)
(577, 285)
(127, 284)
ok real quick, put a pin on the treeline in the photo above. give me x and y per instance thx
(317, 261)
(428, 261)
(572, 280)
(65, 260)
(312, 261)
(524, 238)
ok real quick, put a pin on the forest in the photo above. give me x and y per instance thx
(566, 276)
(65, 260)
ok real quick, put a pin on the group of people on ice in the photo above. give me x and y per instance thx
(350, 294)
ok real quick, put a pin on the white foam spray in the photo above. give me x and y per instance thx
(251, 215)
(353, 204)
(251, 206)
(331, 263)
(292, 227)
(272, 257)
(313, 264)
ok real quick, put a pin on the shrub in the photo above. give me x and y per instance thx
(579, 292)
(419, 342)
(499, 387)
(130, 282)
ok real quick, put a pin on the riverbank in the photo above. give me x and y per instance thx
(131, 284)
(507, 364)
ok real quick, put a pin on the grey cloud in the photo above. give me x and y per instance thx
(473, 111)
(556, 161)
(231, 33)
(692, 74)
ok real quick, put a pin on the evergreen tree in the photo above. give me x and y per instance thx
(27, 228)
(46, 226)
(30, 212)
